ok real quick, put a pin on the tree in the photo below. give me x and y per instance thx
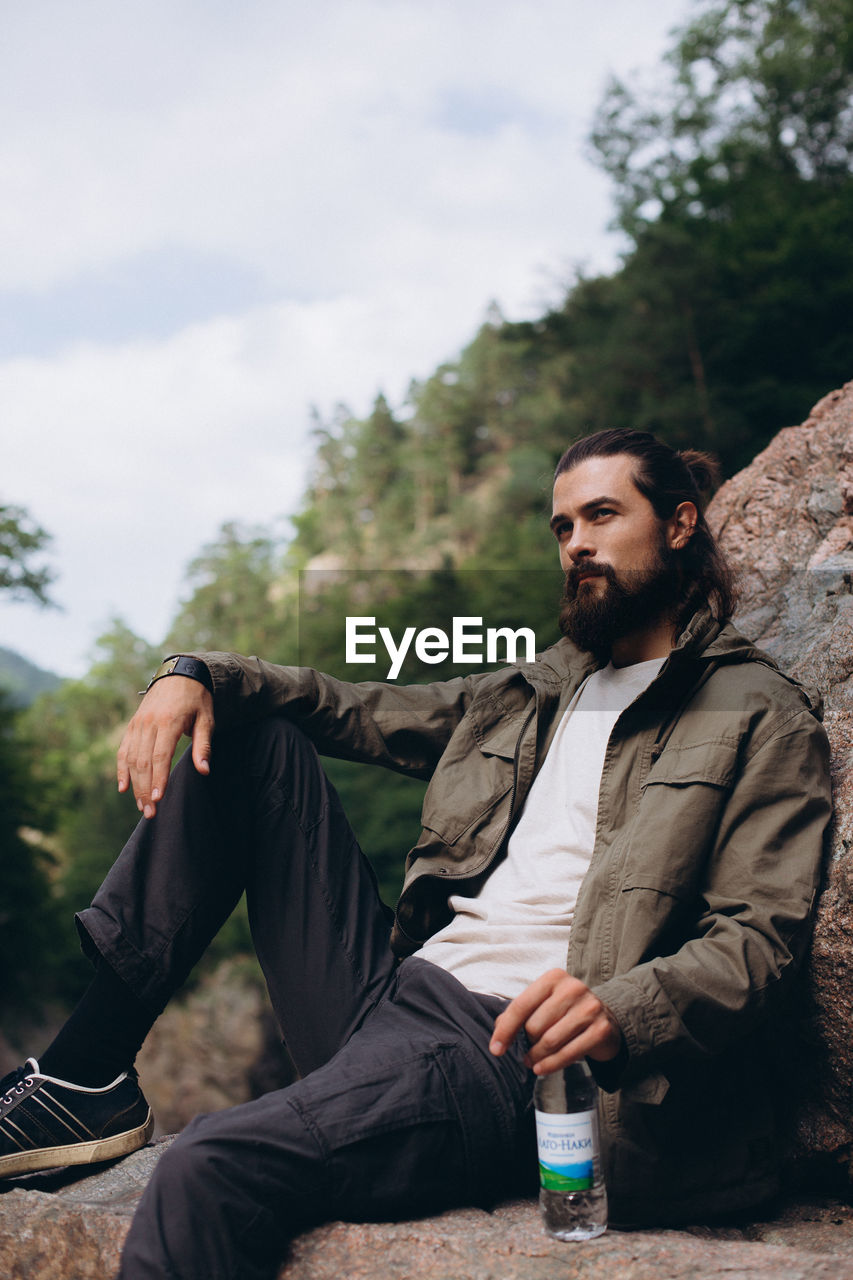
(733, 312)
(238, 599)
(20, 541)
(32, 950)
(67, 740)
(27, 911)
(767, 82)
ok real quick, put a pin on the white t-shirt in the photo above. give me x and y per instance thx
(517, 927)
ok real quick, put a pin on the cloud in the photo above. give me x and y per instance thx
(291, 137)
(214, 217)
(134, 454)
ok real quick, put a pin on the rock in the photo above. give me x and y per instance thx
(212, 1048)
(71, 1225)
(786, 523)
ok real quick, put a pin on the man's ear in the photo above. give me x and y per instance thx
(681, 525)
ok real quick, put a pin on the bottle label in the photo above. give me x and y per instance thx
(567, 1150)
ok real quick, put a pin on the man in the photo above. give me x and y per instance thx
(648, 798)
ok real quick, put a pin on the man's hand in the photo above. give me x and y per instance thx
(173, 706)
(564, 1022)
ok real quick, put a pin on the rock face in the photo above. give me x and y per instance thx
(786, 523)
(213, 1048)
(70, 1226)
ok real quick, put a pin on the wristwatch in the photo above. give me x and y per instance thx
(182, 666)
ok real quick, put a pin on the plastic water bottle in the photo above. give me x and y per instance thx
(572, 1197)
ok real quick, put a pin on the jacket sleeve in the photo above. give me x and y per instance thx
(404, 727)
(756, 907)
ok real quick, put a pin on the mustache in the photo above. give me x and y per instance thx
(576, 573)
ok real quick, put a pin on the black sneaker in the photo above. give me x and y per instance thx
(46, 1122)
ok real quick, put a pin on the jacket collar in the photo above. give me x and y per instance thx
(704, 635)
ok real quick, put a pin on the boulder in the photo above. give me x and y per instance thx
(786, 524)
(71, 1225)
(215, 1046)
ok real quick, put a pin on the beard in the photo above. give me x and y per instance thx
(593, 618)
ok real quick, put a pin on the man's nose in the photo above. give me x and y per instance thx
(580, 545)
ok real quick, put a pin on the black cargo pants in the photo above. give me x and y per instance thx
(400, 1110)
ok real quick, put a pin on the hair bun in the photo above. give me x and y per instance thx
(703, 467)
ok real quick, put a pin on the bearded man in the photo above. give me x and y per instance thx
(620, 851)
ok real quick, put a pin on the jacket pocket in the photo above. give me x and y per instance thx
(682, 801)
(671, 886)
(709, 764)
(473, 776)
(463, 806)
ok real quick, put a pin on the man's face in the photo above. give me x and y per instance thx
(621, 579)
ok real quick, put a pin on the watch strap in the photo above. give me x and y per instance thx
(182, 665)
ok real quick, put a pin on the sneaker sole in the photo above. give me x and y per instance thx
(121, 1144)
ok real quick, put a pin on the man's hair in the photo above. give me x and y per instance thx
(668, 477)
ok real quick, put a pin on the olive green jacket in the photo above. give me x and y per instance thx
(713, 806)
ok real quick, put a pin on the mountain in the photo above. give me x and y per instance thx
(22, 679)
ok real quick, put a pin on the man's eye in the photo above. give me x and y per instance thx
(562, 530)
(603, 511)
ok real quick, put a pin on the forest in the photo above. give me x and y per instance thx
(730, 314)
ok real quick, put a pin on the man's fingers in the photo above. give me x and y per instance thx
(588, 1030)
(566, 1012)
(518, 1011)
(161, 763)
(202, 738)
(122, 770)
(149, 768)
(139, 753)
(173, 706)
(564, 1022)
(543, 1061)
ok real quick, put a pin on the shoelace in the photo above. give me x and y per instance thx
(11, 1084)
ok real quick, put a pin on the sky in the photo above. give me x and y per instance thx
(216, 217)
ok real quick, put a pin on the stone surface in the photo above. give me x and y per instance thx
(212, 1048)
(70, 1226)
(786, 523)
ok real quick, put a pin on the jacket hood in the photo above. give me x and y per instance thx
(703, 636)
(722, 644)
(706, 639)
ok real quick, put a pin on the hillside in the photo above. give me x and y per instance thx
(23, 680)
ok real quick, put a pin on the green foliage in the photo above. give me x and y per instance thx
(474, 445)
(238, 600)
(20, 541)
(30, 956)
(71, 735)
(766, 83)
(734, 311)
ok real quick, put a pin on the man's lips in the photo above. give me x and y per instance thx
(582, 575)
